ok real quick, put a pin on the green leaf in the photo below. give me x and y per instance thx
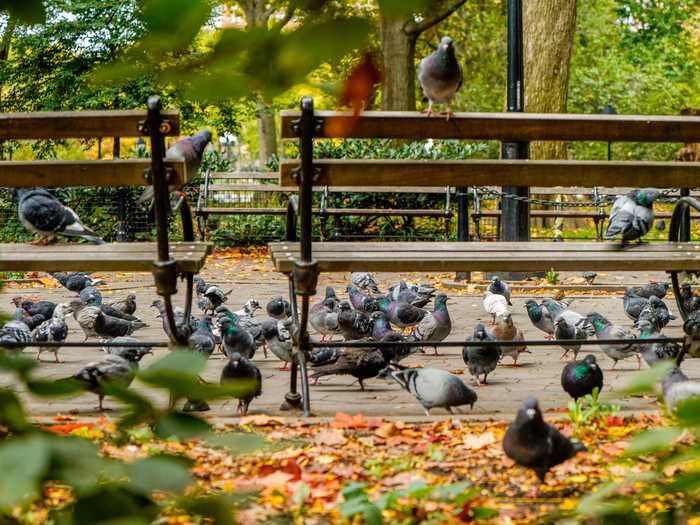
(653, 440)
(177, 362)
(162, 473)
(644, 381)
(60, 387)
(23, 462)
(16, 362)
(219, 509)
(114, 504)
(481, 513)
(236, 442)
(77, 462)
(180, 425)
(354, 490)
(686, 483)
(688, 411)
(172, 33)
(27, 11)
(12, 412)
(402, 8)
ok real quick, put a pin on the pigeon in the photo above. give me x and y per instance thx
(403, 315)
(235, 338)
(505, 330)
(90, 294)
(632, 215)
(188, 149)
(54, 330)
(279, 308)
(126, 305)
(360, 301)
(200, 285)
(381, 331)
(240, 370)
(604, 329)
(565, 331)
(579, 378)
(324, 318)
(434, 388)
(186, 327)
(43, 308)
(494, 304)
(540, 317)
(440, 76)
(119, 367)
(202, 339)
(212, 298)
(652, 288)
(559, 309)
(657, 312)
(42, 213)
(15, 332)
(691, 302)
(633, 304)
(436, 325)
(655, 352)
(246, 320)
(532, 443)
(353, 324)
(278, 339)
(107, 326)
(481, 360)
(248, 309)
(86, 315)
(361, 363)
(501, 288)
(418, 296)
(677, 388)
(75, 281)
(364, 281)
(589, 277)
(32, 321)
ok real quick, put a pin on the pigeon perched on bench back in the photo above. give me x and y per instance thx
(632, 215)
(75, 281)
(42, 213)
(440, 76)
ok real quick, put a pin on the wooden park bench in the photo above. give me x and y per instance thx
(167, 260)
(212, 192)
(302, 261)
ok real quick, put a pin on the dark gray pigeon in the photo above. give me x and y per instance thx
(278, 308)
(361, 363)
(15, 332)
(364, 281)
(652, 288)
(632, 215)
(202, 339)
(436, 325)
(86, 315)
(417, 295)
(633, 304)
(440, 76)
(656, 312)
(361, 301)
(481, 360)
(191, 150)
(90, 295)
(499, 287)
(580, 378)
(118, 367)
(54, 330)
(381, 331)
(212, 298)
(126, 305)
(678, 388)
(589, 277)
(434, 388)
(43, 308)
(403, 315)
(241, 371)
(604, 329)
(567, 333)
(42, 213)
(186, 326)
(655, 352)
(353, 324)
(107, 326)
(235, 338)
(532, 443)
(75, 281)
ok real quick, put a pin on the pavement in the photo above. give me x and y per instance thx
(254, 277)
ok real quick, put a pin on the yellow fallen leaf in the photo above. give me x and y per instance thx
(479, 441)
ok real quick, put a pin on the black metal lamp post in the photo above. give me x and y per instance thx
(609, 110)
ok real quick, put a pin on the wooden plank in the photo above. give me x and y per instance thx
(328, 211)
(273, 188)
(79, 124)
(242, 211)
(127, 257)
(270, 188)
(237, 175)
(65, 173)
(599, 257)
(549, 213)
(507, 127)
(498, 173)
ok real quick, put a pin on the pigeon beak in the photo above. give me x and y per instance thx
(530, 412)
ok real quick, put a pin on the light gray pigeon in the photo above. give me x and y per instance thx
(604, 329)
(188, 149)
(324, 318)
(655, 352)
(565, 332)
(632, 215)
(278, 339)
(42, 213)
(440, 76)
(500, 288)
(436, 325)
(202, 339)
(364, 281)
(90, 295)
(15, 332)
(434, 388)
(540, 317)
(87, 317)
(677, 388)
(54, 330)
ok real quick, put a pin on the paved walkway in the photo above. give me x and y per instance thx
(539, 374)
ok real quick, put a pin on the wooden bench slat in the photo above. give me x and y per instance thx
(65, 173)
(575, 214)
(273, 188)
(237, 175)
(128, 257)
(507, 127)
(79, 124)
(497, 172)
(328, 211)
(422, 256)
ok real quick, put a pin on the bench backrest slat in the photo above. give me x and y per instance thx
(78, 124)
(507, 127)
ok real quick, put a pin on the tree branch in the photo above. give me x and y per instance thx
(7, 37)
(288, 14)
(441, 11)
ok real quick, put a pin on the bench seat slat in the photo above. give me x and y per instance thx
(273, 188)
(340, 212)
(128, 257)
(497, 256)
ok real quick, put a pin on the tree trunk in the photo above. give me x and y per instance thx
(5, 43)
(267, 133)
(399, 70)
(548, 32)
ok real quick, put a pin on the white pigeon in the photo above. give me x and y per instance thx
(495, 304)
